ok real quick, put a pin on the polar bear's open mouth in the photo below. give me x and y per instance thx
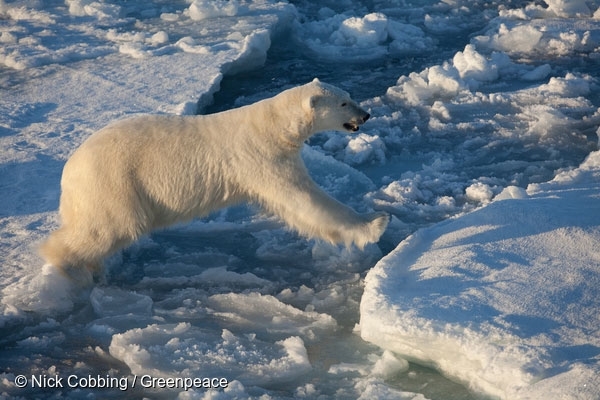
(351, 127)
(355, 123)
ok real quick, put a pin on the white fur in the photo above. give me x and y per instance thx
(148, 172)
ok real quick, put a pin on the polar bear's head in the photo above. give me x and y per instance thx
(332, 108)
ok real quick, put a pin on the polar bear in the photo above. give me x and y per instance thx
(148, 172)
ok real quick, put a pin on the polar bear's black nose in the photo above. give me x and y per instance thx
(366, 117)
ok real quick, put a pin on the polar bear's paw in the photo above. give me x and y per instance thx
(372, 229)
(378, 222)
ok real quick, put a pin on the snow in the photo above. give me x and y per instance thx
(361, 38)
(482, 145)
(200, 10)
(174, 350)
(561, 29)
(504, 299)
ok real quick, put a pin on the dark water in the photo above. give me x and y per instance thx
(290, 64)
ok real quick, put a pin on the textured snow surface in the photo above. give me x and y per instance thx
(505, 298)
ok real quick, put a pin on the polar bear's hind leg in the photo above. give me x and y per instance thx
(79, 253)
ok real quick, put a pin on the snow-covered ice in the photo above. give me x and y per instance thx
(360, 38)
(482, 144)
(504, 298)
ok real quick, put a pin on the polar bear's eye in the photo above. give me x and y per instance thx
(344, 104)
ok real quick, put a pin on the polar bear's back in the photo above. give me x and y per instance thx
(156, 165)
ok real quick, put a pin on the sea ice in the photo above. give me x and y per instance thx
(360, 38)
(187, 351)
(504, 299)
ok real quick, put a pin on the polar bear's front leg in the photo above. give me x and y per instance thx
(303, 206)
